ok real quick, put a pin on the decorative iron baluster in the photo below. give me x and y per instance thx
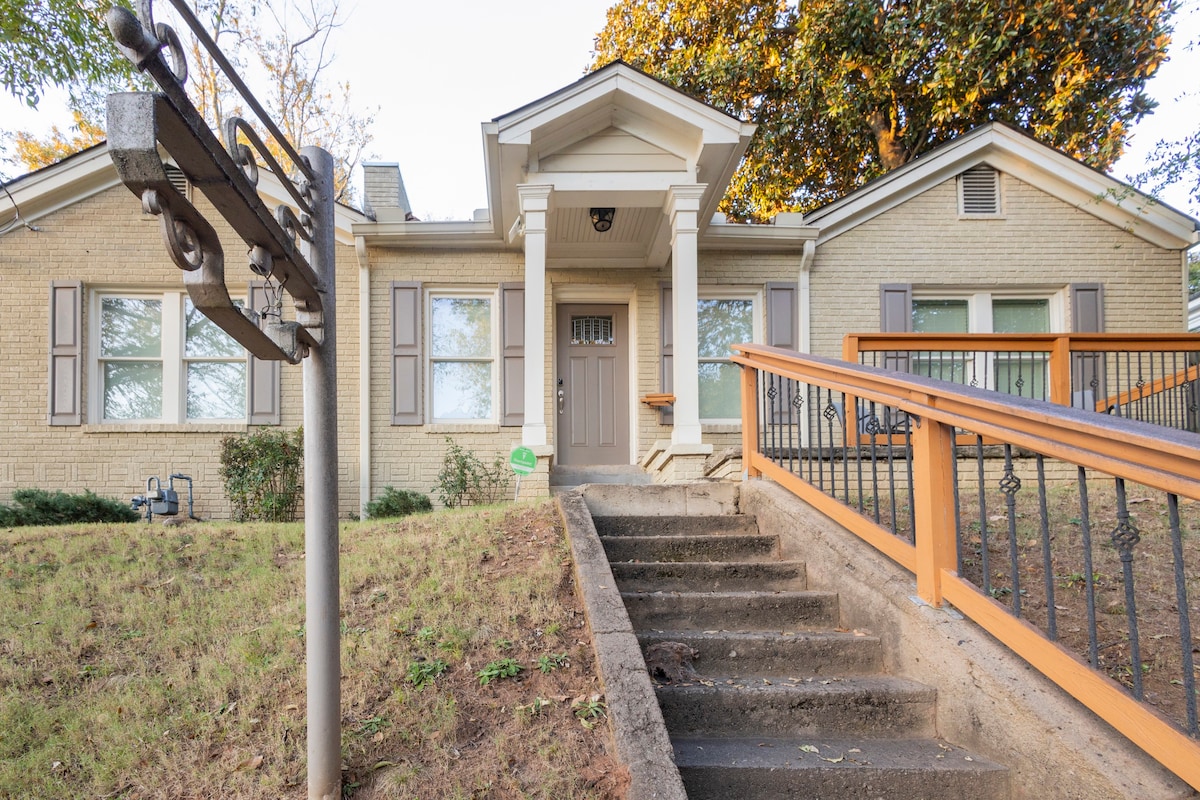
(1126, 536)
(1047, 559)
(1089, 575)
(984, 556)
(1010, 484)
(908, 467)
(872, 428)
(1185, 622)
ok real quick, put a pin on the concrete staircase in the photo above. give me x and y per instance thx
(763, 693)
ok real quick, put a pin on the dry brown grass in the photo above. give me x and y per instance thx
(168, 662)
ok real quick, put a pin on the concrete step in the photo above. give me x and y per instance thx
(843, 768)
(732, 611)
(877, 706)
(715, 547)
(708, 524)
(710, 576)
(809, 655)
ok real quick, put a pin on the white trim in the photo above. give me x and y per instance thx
(364, 374)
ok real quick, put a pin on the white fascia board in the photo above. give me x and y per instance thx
(618, 182)
(1023, 158)
(60, 185)
(758, 238)
(465, 234)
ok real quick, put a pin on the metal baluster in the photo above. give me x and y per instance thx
(1047, 558)
(1185, 622)
(1089, 580)
(1010, 484)
(984, 559)
(1126, 536)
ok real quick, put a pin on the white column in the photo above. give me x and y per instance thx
(683, 207)
(535, 203)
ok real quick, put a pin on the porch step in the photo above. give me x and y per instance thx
(733, 611)
(710, 576)
(869, 706)
(806, 656)
(714, 547)
(706, 525)
(842, 768)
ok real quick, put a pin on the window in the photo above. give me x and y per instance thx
(462, 357)
(722, 322)
(161, 360)
(985, 312)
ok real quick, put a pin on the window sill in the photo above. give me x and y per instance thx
(439, 428)
(720, 427)
(166, 427)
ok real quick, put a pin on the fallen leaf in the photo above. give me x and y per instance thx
(837, 760)
(254, 762)
(808, 748)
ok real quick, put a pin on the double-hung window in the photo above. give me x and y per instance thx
(722, 321)
(161, 360)
(1014, 372)
(462, 347)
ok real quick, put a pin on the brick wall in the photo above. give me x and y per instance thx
(1040, 242)
(108, 243)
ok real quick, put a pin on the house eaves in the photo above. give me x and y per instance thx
(91, 171)
(1015, 153)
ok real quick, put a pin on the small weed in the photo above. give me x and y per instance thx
(554, 628)
(422, 673)
(504, 644)
(589, 710)
(552, 661)
(372, 726)
(427, 636)
(534, 708)
(504, 668)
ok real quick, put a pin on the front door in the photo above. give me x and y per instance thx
(592, 384)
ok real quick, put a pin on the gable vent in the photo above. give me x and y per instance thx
(979, 191)
(177, 178)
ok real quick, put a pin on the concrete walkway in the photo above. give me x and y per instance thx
(565, 478)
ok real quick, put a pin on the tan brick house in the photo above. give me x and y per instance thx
(600, 275)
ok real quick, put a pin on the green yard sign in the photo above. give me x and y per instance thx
(523, 461)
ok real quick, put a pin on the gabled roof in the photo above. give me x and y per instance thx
(1015, 153)
(91, 171)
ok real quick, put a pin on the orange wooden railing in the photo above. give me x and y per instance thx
(1160, 458)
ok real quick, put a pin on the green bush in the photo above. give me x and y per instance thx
(397, 503)
(262, 472)
(465, 480)
(40, 507)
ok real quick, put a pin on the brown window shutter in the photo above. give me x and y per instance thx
(512, 353)
(262, 376)
(406, 354)
(666, 414)
(895, 316)
(1087, 308)
(782, 325)
(66, 353)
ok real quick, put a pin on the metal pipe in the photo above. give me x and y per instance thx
(322, 623)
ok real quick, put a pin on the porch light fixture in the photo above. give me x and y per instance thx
(602, 218)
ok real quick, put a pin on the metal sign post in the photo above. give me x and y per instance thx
(138, 124)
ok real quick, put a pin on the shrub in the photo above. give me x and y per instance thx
(262, 474)
(40, 507)
(465, 480)
(397, 503)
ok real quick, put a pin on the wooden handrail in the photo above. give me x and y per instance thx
(1165, 459)
(1149, 390)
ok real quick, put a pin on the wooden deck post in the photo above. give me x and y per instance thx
(749, 421)
(933, 516)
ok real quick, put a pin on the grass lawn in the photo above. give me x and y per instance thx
(151, 661)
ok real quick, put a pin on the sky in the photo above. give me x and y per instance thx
(437, 70)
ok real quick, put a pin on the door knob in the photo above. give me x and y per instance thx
(562, 400)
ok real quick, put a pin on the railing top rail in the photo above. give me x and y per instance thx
(1164, 458)
(1029, 342)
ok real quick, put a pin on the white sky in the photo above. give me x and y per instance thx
(438, 69)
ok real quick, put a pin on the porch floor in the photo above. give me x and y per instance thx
(563, 478)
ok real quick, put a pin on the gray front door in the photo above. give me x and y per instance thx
(592, 384)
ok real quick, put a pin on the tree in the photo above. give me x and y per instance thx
(62, 43)
(844, 90)
(288, 58)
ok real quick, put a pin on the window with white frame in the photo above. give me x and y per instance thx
(161, 360)
(462, 356)
(723, 320)
(1019, 373)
